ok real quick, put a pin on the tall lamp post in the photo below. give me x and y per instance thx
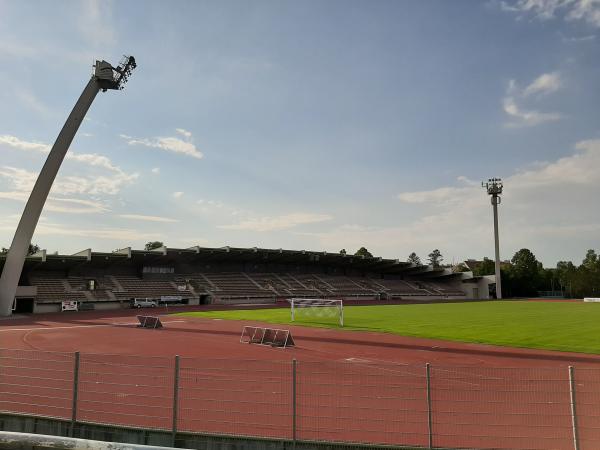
(494, 189)
(105, 77)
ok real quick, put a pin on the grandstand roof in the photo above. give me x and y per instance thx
(165, 255)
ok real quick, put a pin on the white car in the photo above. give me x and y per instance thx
(144, 303)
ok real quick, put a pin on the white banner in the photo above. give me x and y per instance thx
(69, 305)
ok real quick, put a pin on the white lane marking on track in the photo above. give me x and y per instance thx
(357, 360)
(82, 326)
(389, 369)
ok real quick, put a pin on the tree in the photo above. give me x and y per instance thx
(363, 252)
(435, 258)
(33, 249)
(487, 267)
(591, 260)
(588, 278)
(343, 252)
(413, 258)
(153, 245)
(526, 273)
(565, 273)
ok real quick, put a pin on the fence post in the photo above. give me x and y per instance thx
(175, 401)
(429, 421)
(294, 364)
(75, 394)
(573, 408)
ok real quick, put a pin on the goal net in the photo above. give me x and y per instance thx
(317, 308)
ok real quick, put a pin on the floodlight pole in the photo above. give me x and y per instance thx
(105, 77)
(494, 188)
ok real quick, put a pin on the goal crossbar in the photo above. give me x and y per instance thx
(296, 303)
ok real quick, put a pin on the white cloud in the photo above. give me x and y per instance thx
(66, 188)
(544, 84)
(177, 194)
(184, 133)
(526, 118)
(21, 179)
(541, 9)
(440, 195)
(59, 204)
(15, 142)
(585, 10)
(92, 184)
(74, 206)
(148, 218)
(156, 170)
(277, 223)
(589, 37)
(171, 144)
(123, 235)
(588, 10)
(14, 195)
(467, 181)
(520, 117)
(548, 199)
(578, 169)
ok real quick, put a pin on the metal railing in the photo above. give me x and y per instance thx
(352, 401)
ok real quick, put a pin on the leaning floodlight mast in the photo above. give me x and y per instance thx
(105, 77)
(494, 188)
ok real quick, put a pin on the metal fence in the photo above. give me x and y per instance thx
(355, 401)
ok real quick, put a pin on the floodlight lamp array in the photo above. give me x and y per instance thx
(124, 70)
(493, 186)
(114, 78)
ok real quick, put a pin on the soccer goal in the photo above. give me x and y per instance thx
(317, 308)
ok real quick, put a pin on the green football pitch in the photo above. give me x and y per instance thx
(565, 326)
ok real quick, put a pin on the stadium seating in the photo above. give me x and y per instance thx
(298, 288)
(52, 289)
(441, 289)
(400, 288)
(346, 287)
(134, 287)
(236, 285)
(232, 287)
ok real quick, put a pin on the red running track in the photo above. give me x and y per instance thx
(351, 386)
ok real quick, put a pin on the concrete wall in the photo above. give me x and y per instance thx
(26, 291)
(58, 427)
(478, 289)
(46, 307)
(110, 305)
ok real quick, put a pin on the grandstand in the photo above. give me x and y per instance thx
(227, 275)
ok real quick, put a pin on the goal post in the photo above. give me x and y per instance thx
(318, 307)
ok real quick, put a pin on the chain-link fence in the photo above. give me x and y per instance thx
(354, 401)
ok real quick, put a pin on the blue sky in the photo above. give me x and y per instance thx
(309, 125)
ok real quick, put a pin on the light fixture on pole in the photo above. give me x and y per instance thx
(494, 188)
(105, 77)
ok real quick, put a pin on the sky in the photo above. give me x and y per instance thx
(308, 125)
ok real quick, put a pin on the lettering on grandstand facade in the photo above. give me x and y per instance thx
(158, 269)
